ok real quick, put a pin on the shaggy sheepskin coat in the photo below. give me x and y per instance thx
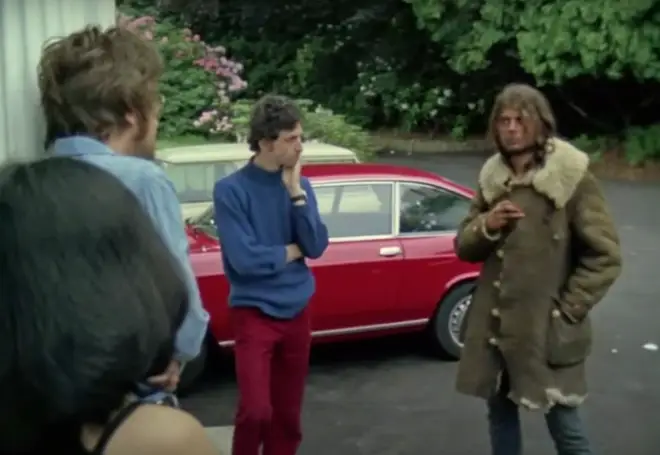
(541, 277)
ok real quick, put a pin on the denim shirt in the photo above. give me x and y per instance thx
(157, 195)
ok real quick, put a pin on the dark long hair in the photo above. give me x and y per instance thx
(90, 299)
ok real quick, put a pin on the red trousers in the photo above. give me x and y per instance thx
(272, 361)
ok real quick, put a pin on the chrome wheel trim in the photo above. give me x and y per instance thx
(457, 319)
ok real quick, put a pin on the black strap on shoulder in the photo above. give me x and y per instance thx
(112, 426)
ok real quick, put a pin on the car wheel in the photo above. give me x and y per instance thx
(192, 371)
(448, 324)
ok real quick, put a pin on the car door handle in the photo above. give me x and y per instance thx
(389, 251)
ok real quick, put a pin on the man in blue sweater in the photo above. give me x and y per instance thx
(268, 223)
(99, 94)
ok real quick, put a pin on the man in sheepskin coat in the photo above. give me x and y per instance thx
(550, 252)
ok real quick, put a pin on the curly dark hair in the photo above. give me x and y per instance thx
(91, 300)
(92, 78)
(271, 115)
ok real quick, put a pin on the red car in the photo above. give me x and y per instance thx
(390, 266)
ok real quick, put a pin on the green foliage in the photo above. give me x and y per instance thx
(319, 124)
(595, 146)
(196, 75)
(642, 144)
(553, 40)
(435, 65)
(579, 38)
(323, 125)
(358, 58)
(639, 144)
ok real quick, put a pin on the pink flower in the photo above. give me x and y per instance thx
(207, 116)
(142, 22)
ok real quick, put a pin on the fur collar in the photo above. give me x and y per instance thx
(564, 168)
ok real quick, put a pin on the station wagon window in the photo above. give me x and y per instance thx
(426, 208)
(356, 210)
(194, 182)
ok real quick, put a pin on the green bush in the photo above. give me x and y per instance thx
(200, 84)
(638, 145)
(325, 126)
(319, 124)
(196, 75)
(642, 144)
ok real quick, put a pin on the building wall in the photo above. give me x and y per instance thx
(24, 27)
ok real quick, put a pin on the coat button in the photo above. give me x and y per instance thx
(497, 284)
(495, 312)
(492, 341)
(500, 254)
(556, 313)
(556, 237)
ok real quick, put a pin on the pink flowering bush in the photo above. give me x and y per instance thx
(199, 81)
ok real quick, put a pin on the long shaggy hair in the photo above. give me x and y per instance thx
(535, 111)
(90, 297)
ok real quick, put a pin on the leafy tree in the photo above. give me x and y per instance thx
(435, 65)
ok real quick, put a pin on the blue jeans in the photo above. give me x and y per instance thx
(564, 425)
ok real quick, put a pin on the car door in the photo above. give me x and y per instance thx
(428, 218)
(358, 277)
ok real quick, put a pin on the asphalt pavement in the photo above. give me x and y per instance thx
(389, 397)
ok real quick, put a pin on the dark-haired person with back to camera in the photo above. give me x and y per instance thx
(100, 98)
(268, 224)
(91, 302)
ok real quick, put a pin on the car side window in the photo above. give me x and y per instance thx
(426, 208)
(356, 210)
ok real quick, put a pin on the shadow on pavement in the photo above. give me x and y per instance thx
(327, 358)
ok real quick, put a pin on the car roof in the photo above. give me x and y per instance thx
(238, 151)
(319, 173)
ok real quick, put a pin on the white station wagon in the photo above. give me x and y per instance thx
(195, 169)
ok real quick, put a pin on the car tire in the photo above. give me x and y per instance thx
(192, 371)
(448, 323)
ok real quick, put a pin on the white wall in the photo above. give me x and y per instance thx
(24, 27)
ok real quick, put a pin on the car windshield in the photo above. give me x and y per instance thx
(194, 182)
